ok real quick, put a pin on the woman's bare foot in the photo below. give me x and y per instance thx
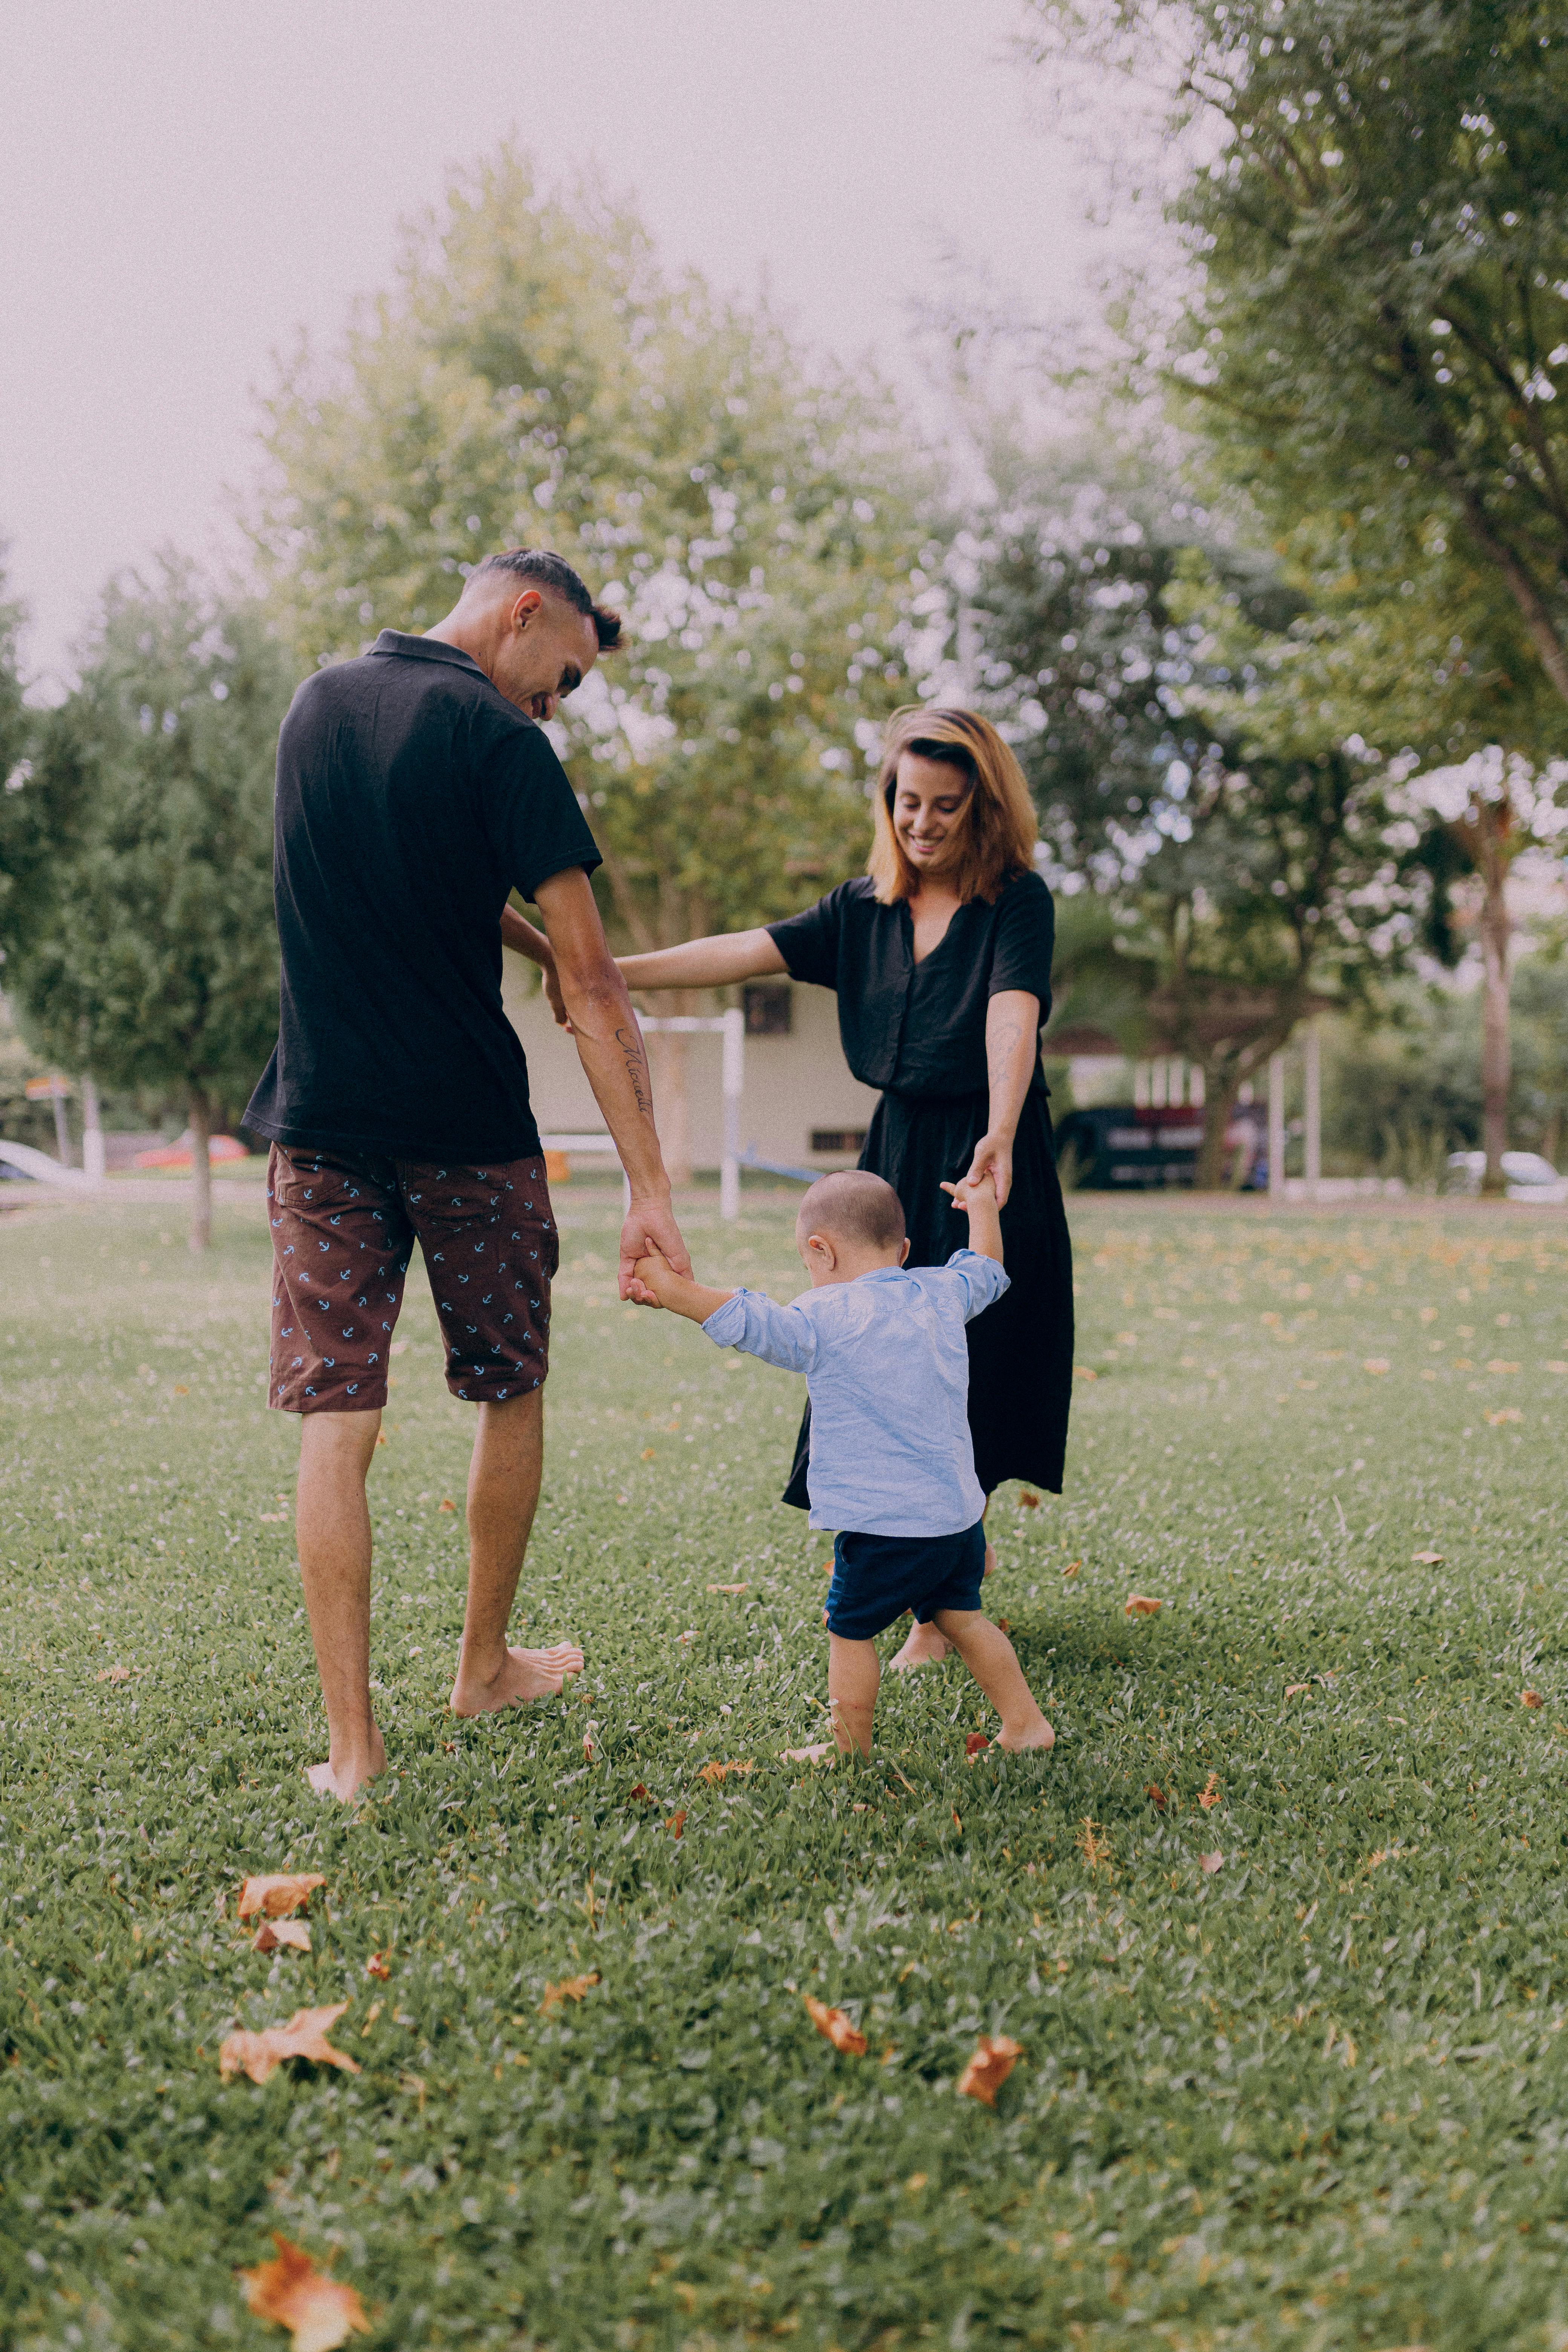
(521, 1675)
(925, 1647)
(1037, 1734)
(344, 1776)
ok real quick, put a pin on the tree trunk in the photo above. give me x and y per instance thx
(1221, 1088)
(201, 1169)
(1496, 928)
(93, 1157)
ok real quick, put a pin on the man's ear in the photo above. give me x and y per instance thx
(524, 607)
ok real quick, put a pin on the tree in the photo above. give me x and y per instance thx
(150, 957)
(19, 897)
(534, 377)
(1376, 213)
(1246, 850)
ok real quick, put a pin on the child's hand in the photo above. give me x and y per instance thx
(971, 1191)
(647, 1277)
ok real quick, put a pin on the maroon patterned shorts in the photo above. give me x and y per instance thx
(343, 1228)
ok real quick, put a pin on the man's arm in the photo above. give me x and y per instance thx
(610, 1047)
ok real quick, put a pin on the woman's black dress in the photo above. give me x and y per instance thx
(918, 1031)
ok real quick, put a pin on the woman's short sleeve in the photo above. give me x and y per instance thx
(1026, 934)
(810, 941)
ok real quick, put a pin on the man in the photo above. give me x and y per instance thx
(415, 789)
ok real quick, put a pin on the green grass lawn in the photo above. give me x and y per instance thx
(1318, 2096)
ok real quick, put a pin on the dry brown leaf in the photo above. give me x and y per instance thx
(376, 1966)
(974, 1742)
(1094, 1847)
(291, 1932)
(648, 1453)
(678, 1822)
(1209, 1795)
(1530, 1698)
(113, 1675)
(729, 1588)
(1139, 1604)
(569, 1988)
(1028, 1502)
(714, 1773)
(835, 2027)
(304, 2036)
(639, 1792)
(1209, 1862)
(318, 2312)
(1291, 1688)
(1427, 1559)
(1157, 1795)
(1072, 1567)
(1084, 1372)
(445, 1503)
(995, 2057)
(277, 1893)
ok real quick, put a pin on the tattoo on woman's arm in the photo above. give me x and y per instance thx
(635, 1060)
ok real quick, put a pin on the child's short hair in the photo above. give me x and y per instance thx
(853, 1206)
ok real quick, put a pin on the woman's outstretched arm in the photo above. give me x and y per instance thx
(1011, 1050)
(705, 963)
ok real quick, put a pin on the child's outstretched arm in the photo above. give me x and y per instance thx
(658, 1284)
(977, 1199)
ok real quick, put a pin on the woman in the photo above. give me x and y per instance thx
(941, 956)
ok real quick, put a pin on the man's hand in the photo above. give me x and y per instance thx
(650, 1227)
(554, 999)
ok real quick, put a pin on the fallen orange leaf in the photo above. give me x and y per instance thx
(1531, 1698)
(318, 2312)
(569, 1988)
(648, 1453)
(714, 1773)
(729, 1588)
(1291, 1688)
(376, 1966)
(835, 2027)
(995, 2055)
(1140, 1605)
(1209, 1862)
(292, 1932)
(445, 1503)
(113, 1675)
(180, 1388)
(277, 1893)
(1072, 1567)
(1209, 1795)
(639, 1791)
(974, 1742)
(1157, 1795)
(1029, 1502)
(678, 1822)
(304, 2036)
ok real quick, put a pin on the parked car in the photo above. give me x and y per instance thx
(1528, 1177)
(1116, 1147)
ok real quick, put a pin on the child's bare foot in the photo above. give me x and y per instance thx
(812, 1755)
(925, 1647)
(990, 1560)
(522, 1675)
(1037, 1734)
(344, 1776)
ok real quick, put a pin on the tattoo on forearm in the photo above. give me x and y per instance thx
(635, 1060)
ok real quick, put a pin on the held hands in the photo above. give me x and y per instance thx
(650, 1279)
(974, 1192)
(650, 1232)
(993, 1156)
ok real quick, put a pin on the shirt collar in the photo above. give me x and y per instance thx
(394, 641)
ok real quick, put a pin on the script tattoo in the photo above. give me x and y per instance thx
(632, 1053)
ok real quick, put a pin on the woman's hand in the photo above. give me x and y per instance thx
(994, 1157)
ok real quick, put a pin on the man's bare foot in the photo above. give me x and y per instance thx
(1037, 1734)
(815, 1754)
(347, 1775)
(523, 1675)
(925, 1647)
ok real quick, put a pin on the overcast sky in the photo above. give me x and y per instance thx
(185, 184)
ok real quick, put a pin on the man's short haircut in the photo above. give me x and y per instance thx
(853, 1206)
(536, 567)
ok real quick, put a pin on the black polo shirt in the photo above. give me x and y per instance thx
(412, 797)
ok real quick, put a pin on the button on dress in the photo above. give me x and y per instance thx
(918, 1031)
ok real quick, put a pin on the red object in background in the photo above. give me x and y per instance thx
(181, 1155)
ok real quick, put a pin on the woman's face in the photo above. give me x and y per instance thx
(928, 803)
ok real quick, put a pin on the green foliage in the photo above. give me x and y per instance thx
(1317, 2096)
(1378, 320)
(19, 876)
(151, 959)
(536, 378)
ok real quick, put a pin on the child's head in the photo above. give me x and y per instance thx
(849, 1223)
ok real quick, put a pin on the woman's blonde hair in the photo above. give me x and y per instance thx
(994, 834)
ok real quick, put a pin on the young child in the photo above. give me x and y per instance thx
(892, 1467)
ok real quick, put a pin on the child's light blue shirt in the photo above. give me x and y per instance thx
(887, 1366)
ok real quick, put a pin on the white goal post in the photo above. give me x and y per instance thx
(731, 1027)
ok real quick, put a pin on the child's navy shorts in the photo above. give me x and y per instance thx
(876, 1578)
